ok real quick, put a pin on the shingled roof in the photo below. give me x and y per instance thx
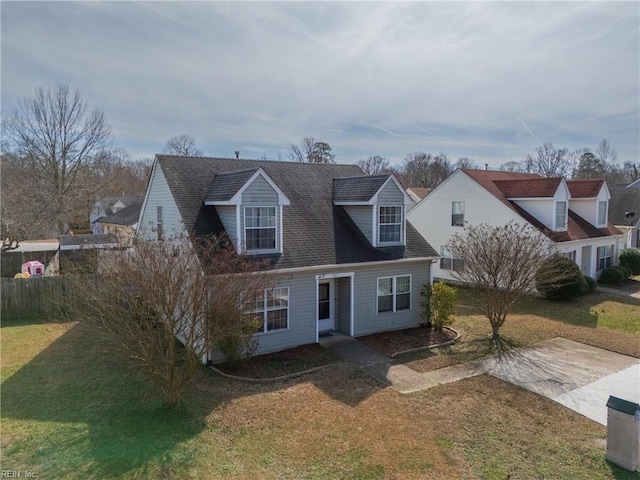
(624, 201)
(226, 185)
(316, 232)
(357, 189)
(127, 216)
(505, 185)
(585, 188)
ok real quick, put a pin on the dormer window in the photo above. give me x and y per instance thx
(260, 228)
(561, 215)
(390, 224)
(602, 214)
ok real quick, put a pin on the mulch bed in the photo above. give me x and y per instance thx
(398, 341)
(287, 362)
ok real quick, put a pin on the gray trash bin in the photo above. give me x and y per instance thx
(623, 433)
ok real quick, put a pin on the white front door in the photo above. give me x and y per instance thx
(325, 306)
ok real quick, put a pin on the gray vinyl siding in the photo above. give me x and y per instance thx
(259, 193)
(227, 214)
(362, 216)
(343, 304)
(390, 195)
(159, 194)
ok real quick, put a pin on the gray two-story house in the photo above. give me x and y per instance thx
(352, 262)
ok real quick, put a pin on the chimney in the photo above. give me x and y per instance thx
(486, 166)
(237, 154)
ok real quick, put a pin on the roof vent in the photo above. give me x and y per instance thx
(237, 154)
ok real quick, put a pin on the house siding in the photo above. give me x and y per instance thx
(390, 195)
(259, 192)
(543, 210)
(227, 214)
(362, 217)
(159, 194)
(343, 304)
(432, 216)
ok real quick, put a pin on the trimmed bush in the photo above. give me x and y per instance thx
(439, 304)
(612, 276)
(591, 284)
(560, 278)
(630, 257)
(627, 270)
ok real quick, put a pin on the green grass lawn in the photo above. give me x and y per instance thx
(75, 407)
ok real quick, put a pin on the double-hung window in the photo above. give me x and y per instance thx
(602, 214)
(561, 215)
(605, 257)
(270, 308)
(394, 293)
(260, 228)
(390, 224)
(449, 262)
(457, 214)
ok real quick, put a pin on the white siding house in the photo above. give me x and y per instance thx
(472, 197)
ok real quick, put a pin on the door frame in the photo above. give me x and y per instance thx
(332, 305)
(332, 276)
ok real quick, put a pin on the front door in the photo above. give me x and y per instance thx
(585, 261)
(325, 306)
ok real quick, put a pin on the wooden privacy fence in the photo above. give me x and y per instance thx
(31, 296)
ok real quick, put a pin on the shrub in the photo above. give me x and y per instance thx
(612, 276)
(591, 284)
(239, 343)
(627, 270)
(630, 257)
(559, 277)
(439, 304)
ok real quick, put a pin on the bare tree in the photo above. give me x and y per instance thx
(425, 170)
(465, 162)
(312, 151)
(182, 146)
(59, 144)
(500, 264)
(605, 152)
(144, 310)
(550, 161)
(374, 165)
(513, 166)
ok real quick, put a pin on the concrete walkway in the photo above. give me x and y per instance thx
(618, 291)
(575, 375)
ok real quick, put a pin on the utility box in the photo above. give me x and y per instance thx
(33, 268)
(623, 433)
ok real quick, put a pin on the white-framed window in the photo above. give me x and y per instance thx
(394, 293)
(605, 257)
(271, 307)
(561, 215)
(159, 222)
(260, 228)
(449, 262)
(570, 255)
(457, 214)
(602, 213)
(390, 224)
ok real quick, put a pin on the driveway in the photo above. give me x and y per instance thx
(578, 376)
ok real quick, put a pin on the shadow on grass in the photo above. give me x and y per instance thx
(81, 408)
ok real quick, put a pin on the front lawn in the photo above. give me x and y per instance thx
(73, 407)
(602, 320)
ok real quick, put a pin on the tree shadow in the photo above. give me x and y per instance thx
(82, 408)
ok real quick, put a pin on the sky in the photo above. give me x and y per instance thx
(488, 81)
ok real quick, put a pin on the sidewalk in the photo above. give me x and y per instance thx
(617, 291)
(575, 375)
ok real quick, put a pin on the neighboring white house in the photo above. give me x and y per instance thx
(352, 262)
(107, 206)
(573, 214)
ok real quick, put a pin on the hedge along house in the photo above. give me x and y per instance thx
(351, 261)
(572, 214)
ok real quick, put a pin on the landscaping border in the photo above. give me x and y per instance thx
(273, 379)
(429, 347)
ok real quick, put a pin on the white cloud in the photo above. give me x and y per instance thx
(468, 79)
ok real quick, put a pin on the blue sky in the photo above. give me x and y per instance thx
(490, 81)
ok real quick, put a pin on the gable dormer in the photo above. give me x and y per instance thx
(590, 200)
(250, 207)
(377, 204)
(546, 199)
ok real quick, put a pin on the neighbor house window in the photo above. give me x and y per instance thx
(457, 214)
(260, 228)
(561, 215)
(394, 293)
(602, 213)
(390, 224)
(605, 257)
(270, 308)
(570, 255)
(159, 223)
(449, 262)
